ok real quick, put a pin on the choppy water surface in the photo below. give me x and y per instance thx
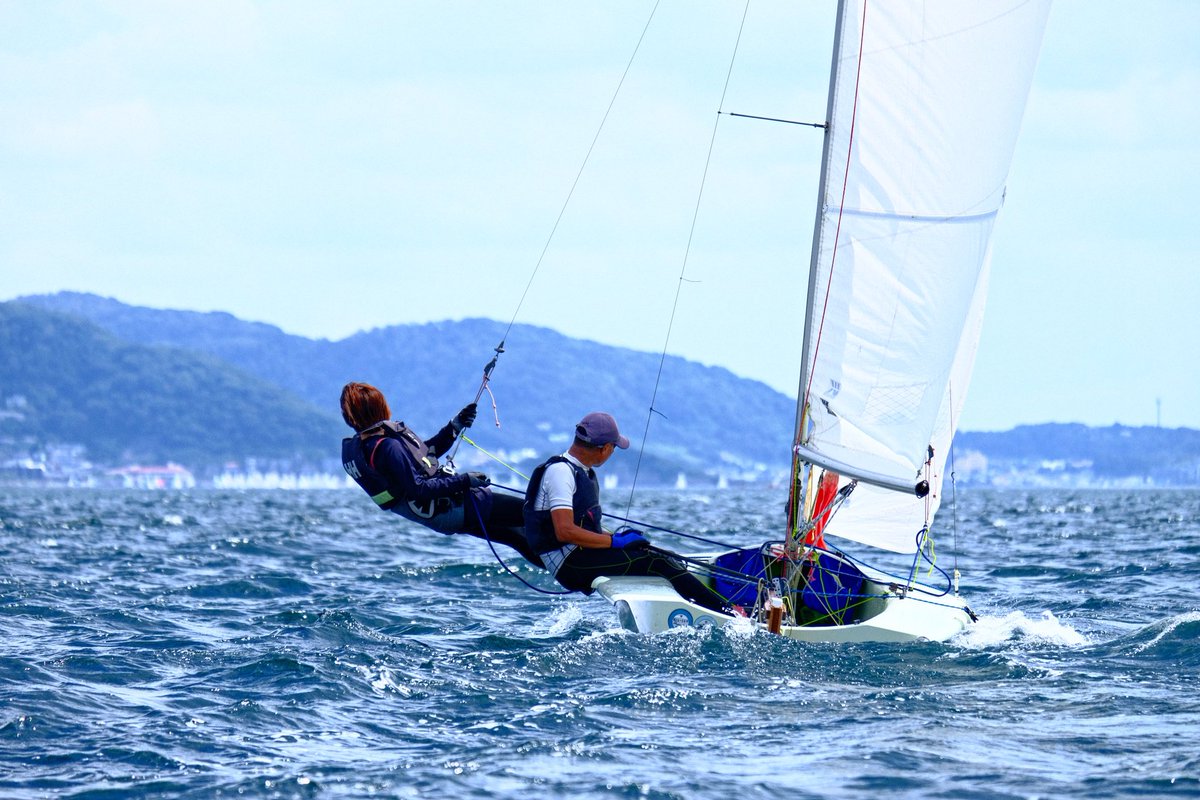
(301, 644)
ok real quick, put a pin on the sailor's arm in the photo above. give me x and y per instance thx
(568, 532)
(442, 441)
(407, 481)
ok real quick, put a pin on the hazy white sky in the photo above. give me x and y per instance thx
(334, 167)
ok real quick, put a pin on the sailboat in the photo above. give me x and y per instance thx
(925, 104)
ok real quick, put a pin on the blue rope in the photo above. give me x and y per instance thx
(648, 526)
(741, 576)
(949, 582)
(710, 568)
(642, 525)
(487, 537)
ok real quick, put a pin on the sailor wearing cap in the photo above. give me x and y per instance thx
(563, 520)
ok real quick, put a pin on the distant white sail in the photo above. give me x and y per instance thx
(925, 107)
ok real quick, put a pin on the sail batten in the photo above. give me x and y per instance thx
(925, 103)
(943, 219)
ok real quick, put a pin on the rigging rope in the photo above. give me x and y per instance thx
(488, 538)
(498, 460)
(487, 371)
(775, 119)
(687, 251)
(731, 574)
(579, 174)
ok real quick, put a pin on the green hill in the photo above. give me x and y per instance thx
(65, 380)
(201, 388)
(707, 420)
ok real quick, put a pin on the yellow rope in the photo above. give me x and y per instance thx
(493, 457)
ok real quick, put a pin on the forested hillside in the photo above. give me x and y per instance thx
(201, 388)
(706, 420)
(64, 380)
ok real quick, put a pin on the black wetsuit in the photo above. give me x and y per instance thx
(399, 471)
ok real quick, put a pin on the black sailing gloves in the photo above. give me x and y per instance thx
(464, 419)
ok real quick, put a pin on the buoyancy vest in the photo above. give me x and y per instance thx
(585, 503)
(358, 459)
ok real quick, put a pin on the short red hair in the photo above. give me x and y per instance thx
(363, 405)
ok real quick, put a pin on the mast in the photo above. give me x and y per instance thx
(817, 227)
(798, 492)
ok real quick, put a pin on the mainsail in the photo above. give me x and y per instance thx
(925, 105)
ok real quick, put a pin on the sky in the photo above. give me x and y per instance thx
(330, 168)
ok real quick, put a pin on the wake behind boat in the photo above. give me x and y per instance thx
(925, 103)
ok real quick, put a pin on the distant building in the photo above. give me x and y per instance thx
(231, 479)
(172, 476)
(23, 470)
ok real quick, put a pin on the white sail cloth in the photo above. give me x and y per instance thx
(925, 107)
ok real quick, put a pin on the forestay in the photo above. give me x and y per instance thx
(925, 105)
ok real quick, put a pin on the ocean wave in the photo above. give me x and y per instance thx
(1175, 640)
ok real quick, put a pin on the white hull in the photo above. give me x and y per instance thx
(651, 605)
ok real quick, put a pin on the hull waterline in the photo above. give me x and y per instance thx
(651, 605)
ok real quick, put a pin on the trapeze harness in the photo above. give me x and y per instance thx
(585, 504)
(445, 513)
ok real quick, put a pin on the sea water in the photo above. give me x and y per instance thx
(210, 644)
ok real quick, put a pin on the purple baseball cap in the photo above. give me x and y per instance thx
(599, 429)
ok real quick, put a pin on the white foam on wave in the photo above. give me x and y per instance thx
(562, 620)
(1169, 626)
(992, 631)
(382, 679)
(740, 628)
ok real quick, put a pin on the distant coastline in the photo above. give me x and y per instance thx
(99, 393)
